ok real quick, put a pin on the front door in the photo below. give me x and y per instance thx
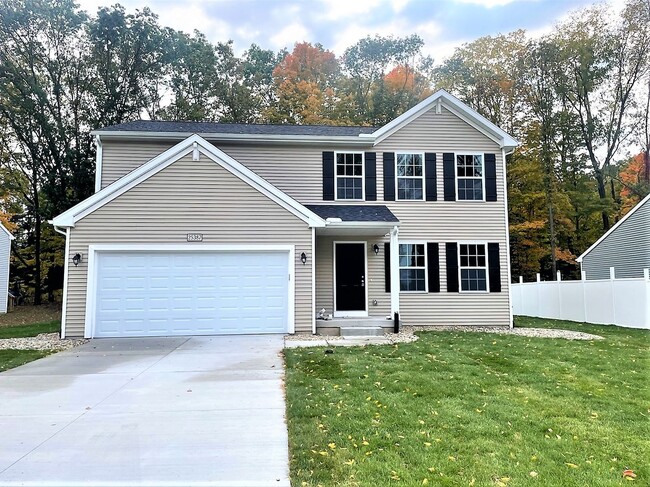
(350, 280)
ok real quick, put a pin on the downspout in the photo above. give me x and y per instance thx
(65, 277)
(99, 155)
(313, 280)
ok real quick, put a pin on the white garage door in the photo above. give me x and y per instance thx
(191, 293)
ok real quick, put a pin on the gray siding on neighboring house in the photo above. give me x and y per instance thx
(626, 248)
(297, 170)
(5, 252)
(189, 197)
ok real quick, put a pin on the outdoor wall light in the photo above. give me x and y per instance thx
(376, 249)
(76, 259)
(303, 258)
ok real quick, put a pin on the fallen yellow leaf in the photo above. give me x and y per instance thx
(572, 465)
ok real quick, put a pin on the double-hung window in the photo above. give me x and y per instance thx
(473, 267)
(410, 176)
(469, 177)
(349, 176)
(412, 267)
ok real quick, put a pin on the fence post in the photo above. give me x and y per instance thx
(522, 308)
(538, 289)
(558, 284)
(583, 283)
(646, 276)
(612, 279)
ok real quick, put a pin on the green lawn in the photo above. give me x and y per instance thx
(19, 331)
(473, 409)
(13, 358)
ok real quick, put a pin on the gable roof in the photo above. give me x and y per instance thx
(194, 144)
(319, 134)
(618, 224)
(458, 108)
(161, 126)
(2, 228)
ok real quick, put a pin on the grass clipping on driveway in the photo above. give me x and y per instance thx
(472, 409)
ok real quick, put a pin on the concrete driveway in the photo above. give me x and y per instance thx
(156, 411)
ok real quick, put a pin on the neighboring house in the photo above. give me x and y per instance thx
(208, 228)
(5, 253)
(625, 247)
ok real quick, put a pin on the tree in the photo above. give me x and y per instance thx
(367, 64)
(600, 65)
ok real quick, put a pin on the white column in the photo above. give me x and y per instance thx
(394, 271)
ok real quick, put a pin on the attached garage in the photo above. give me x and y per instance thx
(166, 292)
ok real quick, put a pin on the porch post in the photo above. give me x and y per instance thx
(394, 271)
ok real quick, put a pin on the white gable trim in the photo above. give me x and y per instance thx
(11, 237)
(618, 224)
(160, 162)
(453, 104)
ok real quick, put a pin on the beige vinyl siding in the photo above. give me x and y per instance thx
(374, 279)
(449, 221)
(627, 249)
(121, 157)
(190, 197)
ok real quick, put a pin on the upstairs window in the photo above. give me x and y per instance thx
(469, 177)
(410, 176)
(412, 267)
(349, 176)
(473, 267)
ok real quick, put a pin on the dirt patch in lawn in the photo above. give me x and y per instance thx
(26, 315)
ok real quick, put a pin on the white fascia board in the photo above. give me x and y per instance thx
(455, 106)
(618, 224)
(144, 172)
(344, 140)
(11, 237)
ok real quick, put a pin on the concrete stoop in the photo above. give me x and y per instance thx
(354, 327)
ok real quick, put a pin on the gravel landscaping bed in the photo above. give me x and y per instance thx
(406, 333)
(44, 341)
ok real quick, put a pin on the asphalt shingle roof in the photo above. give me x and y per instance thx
(355, 213)
(235, 128)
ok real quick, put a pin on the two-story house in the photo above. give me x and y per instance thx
(209, 228)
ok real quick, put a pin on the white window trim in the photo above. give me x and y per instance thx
(353, 313)
(426, 266)
(487, 267)
(362, 177)
(423, 177)
(468, 153)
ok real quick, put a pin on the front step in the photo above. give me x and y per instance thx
(361, 331)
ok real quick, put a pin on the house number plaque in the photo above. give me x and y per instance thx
(195, 237)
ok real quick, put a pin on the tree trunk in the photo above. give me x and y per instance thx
(551, 226)
(602, 193)
(37, 239)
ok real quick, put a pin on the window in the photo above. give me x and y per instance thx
(469, 176)
(473, 267)
(412, 267)
(410, 175)
(349, 176)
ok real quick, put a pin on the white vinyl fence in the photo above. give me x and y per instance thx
(623, 302)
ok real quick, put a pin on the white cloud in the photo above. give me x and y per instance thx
(287, 37)
(345, 9)
(488, 3)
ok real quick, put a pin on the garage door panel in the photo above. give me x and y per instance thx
(187, 293)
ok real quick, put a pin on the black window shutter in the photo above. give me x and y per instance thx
(433, 267)
(490, 177)
(494, 268)
(389, 176)
(387, 266)
(451, 249)
(449, 175)
(371, 176)
(431, 176)
(328, 175)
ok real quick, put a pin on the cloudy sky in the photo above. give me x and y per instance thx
(337, 24)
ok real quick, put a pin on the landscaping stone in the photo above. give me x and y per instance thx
(44, 341)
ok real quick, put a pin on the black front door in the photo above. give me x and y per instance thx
(350, 276)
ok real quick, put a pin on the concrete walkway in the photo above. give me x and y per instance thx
(184, 411)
